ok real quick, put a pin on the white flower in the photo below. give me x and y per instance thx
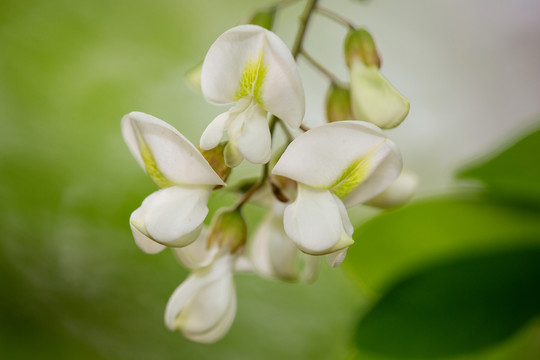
(253, 67)
(374, 99)
(203, 307)
(274, 254)
(336, 165)
(198, 254)
(171, 216)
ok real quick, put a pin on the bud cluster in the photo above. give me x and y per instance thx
(306, 184)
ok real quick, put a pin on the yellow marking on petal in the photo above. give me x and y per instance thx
(355, 173)
(150, 163)
(252, 78)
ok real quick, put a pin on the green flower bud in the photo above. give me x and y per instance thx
(338, 103)
(263, 17)
(374, 99)
(359, 46)
(193, 76)
(216, 159)
(228, 229)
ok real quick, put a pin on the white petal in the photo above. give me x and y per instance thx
(319, 156)
(336, 258)
(374, 99)
(243, 265)
(345, 221)
(232, 155)
(387, 165)
(226, 60)
(255, 142)
(314, 222)
(214, 131)
(145, 243)
(165, 154)
(282, 90)
(197, 255)
(326, 155)
(220, 329)
(272, 252)
(399, 192)
(173, 216)
(205, 311)
(203, 306)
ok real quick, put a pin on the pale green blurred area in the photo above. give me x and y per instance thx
(73, 283)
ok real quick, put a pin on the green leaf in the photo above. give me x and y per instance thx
(456, 307)
(514, 173)
(405, 239)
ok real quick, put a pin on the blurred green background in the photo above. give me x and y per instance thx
(74, 285)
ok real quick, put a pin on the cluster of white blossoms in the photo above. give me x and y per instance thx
(305, 188)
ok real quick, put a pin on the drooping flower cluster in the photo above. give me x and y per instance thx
(306, 188)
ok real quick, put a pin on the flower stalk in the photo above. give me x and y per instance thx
(335, 16)
(324, 71)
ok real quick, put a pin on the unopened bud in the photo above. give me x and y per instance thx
(338, 103)
(228, 229)
(359, 46)
(216, 159)
(263, 17)
(374, 99)
(193, 76)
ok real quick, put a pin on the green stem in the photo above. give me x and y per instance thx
(322, 69)
(304, 22)
(336, 17)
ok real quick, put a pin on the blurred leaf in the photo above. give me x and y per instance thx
(456, 307)
(514, 173)
(423, 232)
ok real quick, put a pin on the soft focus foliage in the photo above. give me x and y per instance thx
(459, 274)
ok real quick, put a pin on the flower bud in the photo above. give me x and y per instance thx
(338, 103)
(263, 17)
(215, 158)
(203, 307)
(359, 46)
(193, 76)
(228, 229)
(374, 99)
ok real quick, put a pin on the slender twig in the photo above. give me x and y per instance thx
(322, 69)
(254, 188)
(304, 22)
(335, 16)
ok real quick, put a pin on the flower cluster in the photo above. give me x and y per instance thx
(306, 187)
